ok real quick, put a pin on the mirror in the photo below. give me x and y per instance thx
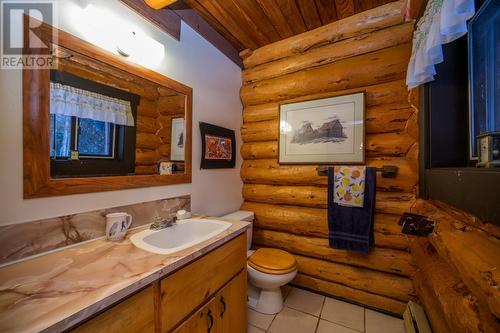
(107, 122)
(104, 123)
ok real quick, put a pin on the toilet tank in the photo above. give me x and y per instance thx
(243, 215)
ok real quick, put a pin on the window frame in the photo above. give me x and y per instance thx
(123, 162)
(447, 172)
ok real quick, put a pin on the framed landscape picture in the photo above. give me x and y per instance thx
(323, 131)
(218, 147)
(177, 140)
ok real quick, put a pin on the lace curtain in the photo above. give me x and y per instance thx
(71, 101)
(443, 22)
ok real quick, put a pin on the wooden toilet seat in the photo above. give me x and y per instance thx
(272, 261)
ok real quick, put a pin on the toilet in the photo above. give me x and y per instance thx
(268, 270)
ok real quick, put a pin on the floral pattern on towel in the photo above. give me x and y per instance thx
(349, 186)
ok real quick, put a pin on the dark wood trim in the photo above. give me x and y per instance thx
(36, 126)
(423, 142)
(416, 9)
(195, 21)
(166, 20)
(473, 190)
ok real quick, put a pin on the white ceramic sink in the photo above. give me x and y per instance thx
(178, 237)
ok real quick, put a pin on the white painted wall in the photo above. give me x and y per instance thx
(192, 61)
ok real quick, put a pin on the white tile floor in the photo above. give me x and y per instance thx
(307, 312)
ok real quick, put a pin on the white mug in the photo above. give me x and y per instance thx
(117, 225)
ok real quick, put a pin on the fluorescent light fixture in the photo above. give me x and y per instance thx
(108, 31)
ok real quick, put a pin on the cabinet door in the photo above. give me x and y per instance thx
(231, 305)
(203, 321)
(135, 314)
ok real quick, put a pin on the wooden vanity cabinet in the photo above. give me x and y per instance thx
(207, 293)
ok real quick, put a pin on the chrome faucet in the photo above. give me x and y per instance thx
(162, 223)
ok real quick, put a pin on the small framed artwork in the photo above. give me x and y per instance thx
(177, 140)
(218, 147)
(323, 131)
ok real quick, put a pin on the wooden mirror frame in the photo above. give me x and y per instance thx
(37, 181)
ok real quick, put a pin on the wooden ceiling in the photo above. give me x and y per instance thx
(250, 24)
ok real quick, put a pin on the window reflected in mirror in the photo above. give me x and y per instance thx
(91, 138)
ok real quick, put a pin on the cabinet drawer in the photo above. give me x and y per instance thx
(135, 314)
(183, 291)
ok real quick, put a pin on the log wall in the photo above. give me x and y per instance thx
(458, 280)
(454, 273)
(154, 129)
(369, 53)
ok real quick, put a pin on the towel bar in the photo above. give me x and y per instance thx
(388, 171)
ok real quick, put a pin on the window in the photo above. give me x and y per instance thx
(95, 138)
(484, 58)
(60, 141)
(95, 120)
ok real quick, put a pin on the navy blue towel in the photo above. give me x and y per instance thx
(351, 228)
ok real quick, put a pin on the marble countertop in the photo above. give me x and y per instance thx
(54, 292)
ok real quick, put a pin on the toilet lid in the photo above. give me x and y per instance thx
(272, 261)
